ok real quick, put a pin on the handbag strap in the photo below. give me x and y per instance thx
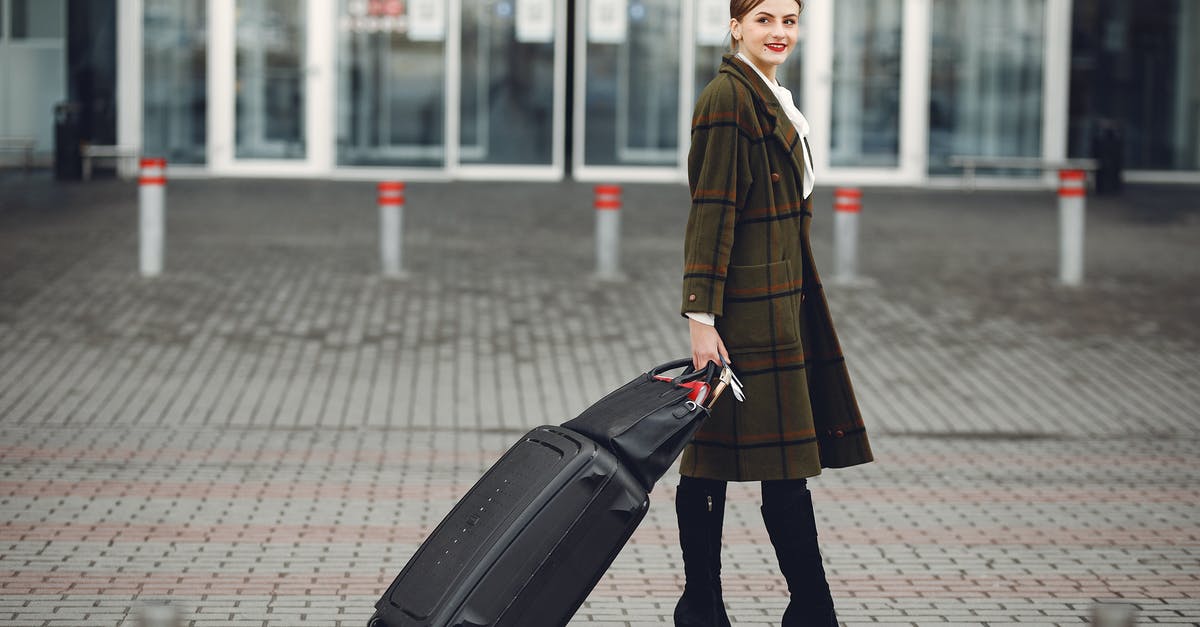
(708, 374)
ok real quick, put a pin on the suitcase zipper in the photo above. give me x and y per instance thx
(709, 497)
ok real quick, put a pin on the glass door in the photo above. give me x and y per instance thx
(268, 82)
(864, 91)
(271, 92)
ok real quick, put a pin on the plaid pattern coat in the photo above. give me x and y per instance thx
(747, 259)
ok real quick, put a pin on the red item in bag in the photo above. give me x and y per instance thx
(699, 389)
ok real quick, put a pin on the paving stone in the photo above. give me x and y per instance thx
(266, 433)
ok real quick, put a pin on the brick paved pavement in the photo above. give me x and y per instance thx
(264, 435)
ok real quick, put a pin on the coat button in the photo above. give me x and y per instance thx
(774, 177)
(839, 433)
(692, 298)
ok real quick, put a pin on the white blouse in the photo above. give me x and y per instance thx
(798, 120)
(802, 128)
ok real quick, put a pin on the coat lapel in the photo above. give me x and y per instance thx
(768, 106)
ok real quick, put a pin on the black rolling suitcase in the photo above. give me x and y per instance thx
(534, 535)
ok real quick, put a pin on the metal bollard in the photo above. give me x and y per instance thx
(391, 227)
(1072, 198)
(152, 215)
(1113, 615)
(847, 204)
(608, 231)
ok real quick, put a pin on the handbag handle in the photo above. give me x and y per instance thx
(689, 371)
(718, 378)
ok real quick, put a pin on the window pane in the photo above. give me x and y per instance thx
(507, 86)
(391, 89)
(1134, 71)
(175, 67)
(866, 83)
(270, 79)
(986, 80)
(632, 102)
(34, 19)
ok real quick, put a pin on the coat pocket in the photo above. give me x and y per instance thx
(760, 308)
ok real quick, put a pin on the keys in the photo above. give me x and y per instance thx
(735, 384)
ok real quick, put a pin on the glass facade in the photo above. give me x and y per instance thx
(865, 126)
(1134, 74)
(985, 91)
(632, 88)
(40, 19)
(175, 67)
(271, 71)
(391, 89)
(507, 107)
(390, 82)
(33, 69)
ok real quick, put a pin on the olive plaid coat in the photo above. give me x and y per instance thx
(747, 259)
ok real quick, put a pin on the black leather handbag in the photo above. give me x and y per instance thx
(647, 422)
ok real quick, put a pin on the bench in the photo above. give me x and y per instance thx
(24, 145)
(970, 163)
(89, 152)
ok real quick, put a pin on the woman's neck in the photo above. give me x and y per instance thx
(767, 72)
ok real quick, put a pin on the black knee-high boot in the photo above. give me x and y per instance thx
(788, 513)
(700, 508)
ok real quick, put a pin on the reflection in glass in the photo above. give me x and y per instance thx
(270, 79)
(507, 88)
(175, 67)
(866, 83)
(985, 80)
(391, 91)
(1133, 73)
(40, 19)
(632, 102)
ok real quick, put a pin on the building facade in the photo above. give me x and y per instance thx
(603, 89)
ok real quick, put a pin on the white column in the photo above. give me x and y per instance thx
(321, 85)
(818, 80)
(129, 81)
(914, 91)
(453, 114)
(222, 48)
(1056, 86)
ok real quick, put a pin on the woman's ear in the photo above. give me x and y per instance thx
(735, 30)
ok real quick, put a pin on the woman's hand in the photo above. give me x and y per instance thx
(706, 345)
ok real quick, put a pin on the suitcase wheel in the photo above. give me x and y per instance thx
(376, 621)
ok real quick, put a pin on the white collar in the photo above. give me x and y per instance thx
(783, 96)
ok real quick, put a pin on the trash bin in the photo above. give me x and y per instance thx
(1108, 148)
(68, 162)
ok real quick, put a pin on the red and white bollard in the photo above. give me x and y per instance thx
(1072, 199)
(391, 227)
(608, 231)
(152, 199)
(847, 204)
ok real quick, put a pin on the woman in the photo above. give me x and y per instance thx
(754, 299)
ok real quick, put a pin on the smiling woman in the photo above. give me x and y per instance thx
(753, 299)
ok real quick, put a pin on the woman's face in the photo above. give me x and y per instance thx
(768, 33)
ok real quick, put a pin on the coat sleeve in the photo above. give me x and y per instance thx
(719, 178)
